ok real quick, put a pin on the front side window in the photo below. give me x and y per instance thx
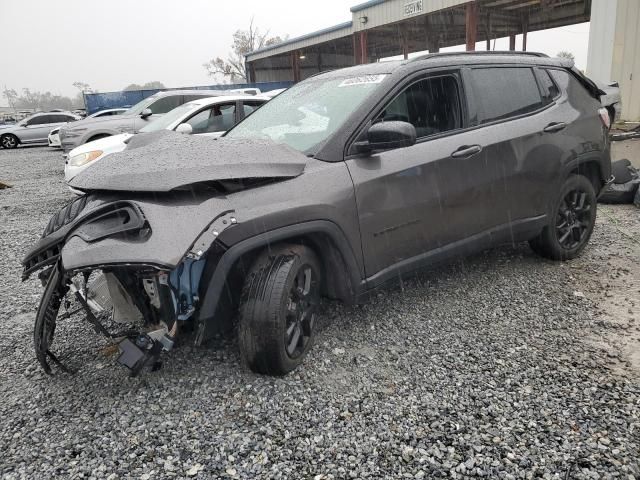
(165, 104)
(167, 120)
(218, 118)
(431, 105)
(305, 115)
(504, 92)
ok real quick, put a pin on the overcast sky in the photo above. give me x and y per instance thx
(49, 44)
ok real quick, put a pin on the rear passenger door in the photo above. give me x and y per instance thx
(510, 115)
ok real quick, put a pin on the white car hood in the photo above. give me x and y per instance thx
(112, 144)
(107, 145)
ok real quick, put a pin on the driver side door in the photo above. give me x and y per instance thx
(37, 129)
(416, 202)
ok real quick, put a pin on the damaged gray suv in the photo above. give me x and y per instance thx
(346, 181)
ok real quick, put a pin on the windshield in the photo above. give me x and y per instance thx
(168, 118)
(140, 106)
(304, 116)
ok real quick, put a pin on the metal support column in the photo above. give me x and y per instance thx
(295, 65)
(471, 25)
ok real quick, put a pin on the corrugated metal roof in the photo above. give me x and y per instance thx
(324, 31)
(370, 3)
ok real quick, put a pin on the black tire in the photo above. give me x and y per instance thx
(571, 221)
(9, 141)
(279, 298)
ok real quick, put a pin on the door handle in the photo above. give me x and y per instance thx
(467, 151)
(555, 127)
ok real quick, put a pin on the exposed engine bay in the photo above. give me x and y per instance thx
(136, 262)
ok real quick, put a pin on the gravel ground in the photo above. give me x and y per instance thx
(501, 366)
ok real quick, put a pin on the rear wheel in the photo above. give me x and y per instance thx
(571, 221)
(9, 141)
(278, 310)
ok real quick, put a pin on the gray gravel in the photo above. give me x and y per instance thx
(483, 368)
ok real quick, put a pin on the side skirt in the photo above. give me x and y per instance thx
(515, 232)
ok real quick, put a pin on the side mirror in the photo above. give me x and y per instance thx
(388, 135)
(184, 128)
(146, 113)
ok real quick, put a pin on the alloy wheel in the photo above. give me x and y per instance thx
(300, 311)
(573, 219)
(9, 141)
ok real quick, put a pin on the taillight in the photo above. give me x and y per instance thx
(604, 117)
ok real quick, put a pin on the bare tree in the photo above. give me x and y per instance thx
(11, 95)
(244, 41)
(83, 87)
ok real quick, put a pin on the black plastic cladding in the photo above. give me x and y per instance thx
(66, 215)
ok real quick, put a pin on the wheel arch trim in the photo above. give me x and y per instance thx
(229, 258)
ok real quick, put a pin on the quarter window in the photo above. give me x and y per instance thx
(431, 105)
(250, 106)
(500, 93)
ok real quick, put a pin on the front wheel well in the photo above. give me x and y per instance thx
(11, 135)
(336, 282)
(98, 137)
(591, 170)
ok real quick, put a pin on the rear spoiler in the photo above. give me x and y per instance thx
(589, 84)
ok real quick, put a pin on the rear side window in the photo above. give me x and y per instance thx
(500, 93)
(41, 120)
(550, 90)
(166, 104)
(573, 87)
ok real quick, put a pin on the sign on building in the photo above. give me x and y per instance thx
(413, 8)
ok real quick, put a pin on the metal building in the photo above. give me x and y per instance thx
(385, 28)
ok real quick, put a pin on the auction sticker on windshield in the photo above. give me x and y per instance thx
(362, 80)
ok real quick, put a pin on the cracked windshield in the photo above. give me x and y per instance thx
(384, 239)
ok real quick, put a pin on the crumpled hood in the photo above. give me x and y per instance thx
(163, 161)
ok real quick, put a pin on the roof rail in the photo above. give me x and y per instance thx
(483, 52)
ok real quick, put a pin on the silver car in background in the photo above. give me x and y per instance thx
(134, 118)
(54, 135)
(35, 129)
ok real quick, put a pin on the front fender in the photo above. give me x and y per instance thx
(174, 227)
(225, 263)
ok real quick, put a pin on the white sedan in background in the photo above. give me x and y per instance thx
(210, 116)
(54, 135)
